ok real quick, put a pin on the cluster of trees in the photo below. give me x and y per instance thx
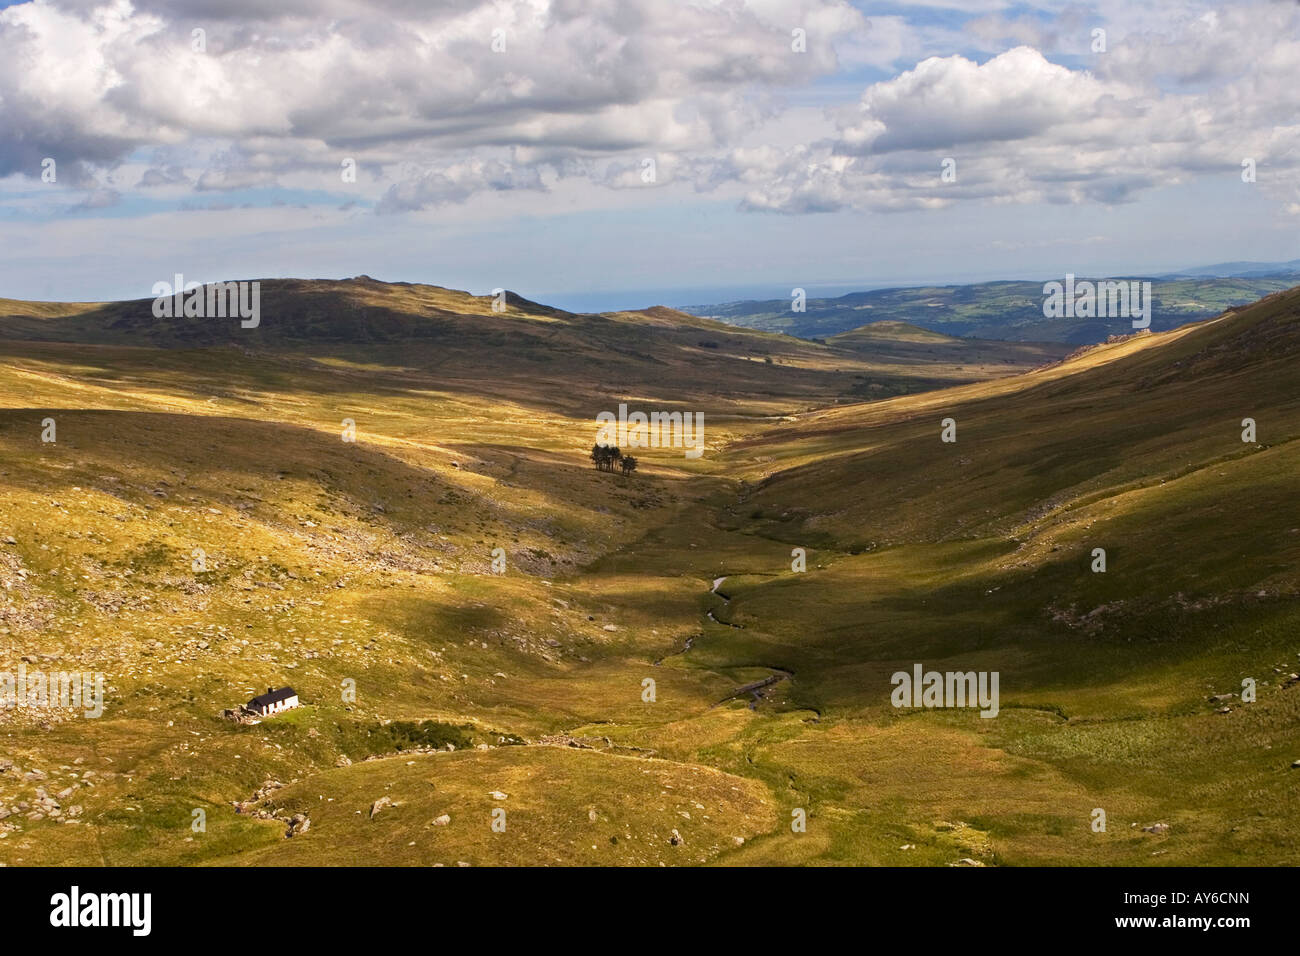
(606, 457)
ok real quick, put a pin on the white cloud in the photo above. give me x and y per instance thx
(398, 81)
(586, 89)
(1021, 128)
(952, 101)
(456, 183)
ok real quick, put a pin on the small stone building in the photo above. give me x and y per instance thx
(272, 702)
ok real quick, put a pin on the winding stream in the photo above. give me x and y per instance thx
(717, 582)
(754, 689)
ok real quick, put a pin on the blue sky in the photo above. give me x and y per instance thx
(524, 167)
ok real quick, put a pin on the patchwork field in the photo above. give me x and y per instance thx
(203, 526)
(1011, 310)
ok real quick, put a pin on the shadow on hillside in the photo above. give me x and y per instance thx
(285, 473)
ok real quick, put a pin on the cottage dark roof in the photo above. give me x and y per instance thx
(272, 697)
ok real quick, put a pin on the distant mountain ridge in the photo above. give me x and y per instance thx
(1239, 269)
(518, 348)
(1007, 310)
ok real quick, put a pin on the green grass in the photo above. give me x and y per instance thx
(368, 564)
(1005, 310)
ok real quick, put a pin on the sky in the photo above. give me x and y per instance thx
(600, 154)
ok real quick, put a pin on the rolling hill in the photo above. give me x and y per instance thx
(526, 351)
(1009, 310)
(439, 688)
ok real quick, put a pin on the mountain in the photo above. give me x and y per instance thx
(1241, 269)
(1005, 310)
(403, 525)
(1125, 685)
(524, 350)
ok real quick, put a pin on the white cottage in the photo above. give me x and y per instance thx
(272, 702)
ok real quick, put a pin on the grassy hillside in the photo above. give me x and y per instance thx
(327, 562)
(978, 555)
(420, 337)
(1010, 311)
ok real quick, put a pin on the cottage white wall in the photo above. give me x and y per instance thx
(281, 705)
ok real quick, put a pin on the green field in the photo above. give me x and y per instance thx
(1010, 310)
(369, 564)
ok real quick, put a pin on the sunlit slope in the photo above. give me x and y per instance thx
(525, 352)
(319, 562)
(329, 561)
(199, 529)
(1134, 449)
(552, 805)
(980, 556)
(1147, 411)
